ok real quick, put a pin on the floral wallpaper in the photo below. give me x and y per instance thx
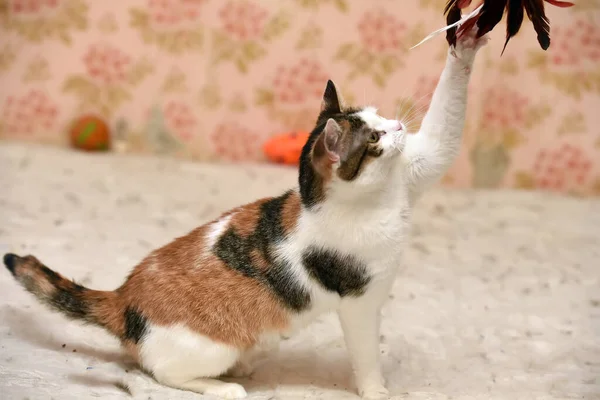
(212, 80)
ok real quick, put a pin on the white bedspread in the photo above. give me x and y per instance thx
(498, 297)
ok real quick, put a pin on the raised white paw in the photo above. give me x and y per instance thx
(467, 45)
(227, 391)
(374, 393)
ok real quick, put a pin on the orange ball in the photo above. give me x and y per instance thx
(286, 148)
(90, 133)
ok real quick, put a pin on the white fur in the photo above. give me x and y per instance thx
(181, 358)
(429, 153)
(216, 230)
(377, 122)
(374, 209)
(368, 218)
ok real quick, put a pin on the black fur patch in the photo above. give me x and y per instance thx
(68, 296)
(70, 302)
(11, 261)
(343, 274)
(234, 250)
(311, 183)
(136, 325)
(60, 282)
(351, 166)
(52, 276)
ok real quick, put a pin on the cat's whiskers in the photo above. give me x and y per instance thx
(403, 102)
(413, 113)
(418, 102)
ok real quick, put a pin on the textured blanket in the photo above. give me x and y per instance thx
(498, 296)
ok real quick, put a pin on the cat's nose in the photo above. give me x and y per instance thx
(398, 126)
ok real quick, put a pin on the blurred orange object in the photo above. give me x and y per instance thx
(90, 133)
(286, 148)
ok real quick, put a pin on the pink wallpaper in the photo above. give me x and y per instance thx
(213, 79)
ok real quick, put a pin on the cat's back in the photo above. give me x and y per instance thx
(217, 278)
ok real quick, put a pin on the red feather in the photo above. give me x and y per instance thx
(562, 4)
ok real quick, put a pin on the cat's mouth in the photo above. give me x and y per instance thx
(395, 141)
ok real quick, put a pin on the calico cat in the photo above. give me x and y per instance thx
(214, 301)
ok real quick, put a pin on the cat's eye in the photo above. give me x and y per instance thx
(373, 137)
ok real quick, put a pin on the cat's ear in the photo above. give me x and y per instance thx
(332, 102)
(331, 134)
(327, 147)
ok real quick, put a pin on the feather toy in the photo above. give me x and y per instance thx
(490, 12)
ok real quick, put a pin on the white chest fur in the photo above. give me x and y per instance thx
(372, 229)
(373, 232)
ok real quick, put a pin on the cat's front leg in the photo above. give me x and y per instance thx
(430, 152)
(360, 320)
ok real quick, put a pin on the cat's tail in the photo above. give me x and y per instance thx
(75, 301)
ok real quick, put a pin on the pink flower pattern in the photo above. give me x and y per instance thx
(180, 120)
(173, 13)
(243, 20)
(300, 82)
(106, 64)
(30, 113)
(503, 108)
(250, 69)
(562, 169)
(31, 7)
(233, 142)
(564, 52)
(381, 31)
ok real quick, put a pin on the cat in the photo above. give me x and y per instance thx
(218, 299)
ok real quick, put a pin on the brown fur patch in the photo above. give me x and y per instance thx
(43, 286)
(211, 299)
(31, 275)
(345, 125)
(323, 166)
(258, 260)
(179, 283)
(291, 212)
(108, 310)
(245, 218)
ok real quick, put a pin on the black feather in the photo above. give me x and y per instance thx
(490, 15)
(536, 14)
(514, 19)
(450, 4)
(452, 15)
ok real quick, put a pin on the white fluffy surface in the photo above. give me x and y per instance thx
(498, 297)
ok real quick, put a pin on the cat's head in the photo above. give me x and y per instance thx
(349, 151)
